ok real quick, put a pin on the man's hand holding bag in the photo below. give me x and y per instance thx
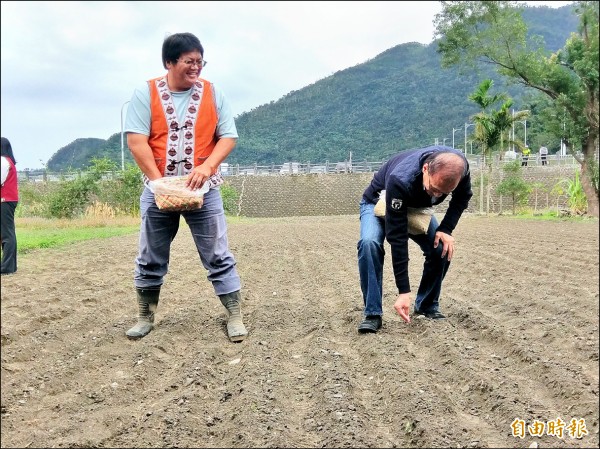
(172, 195)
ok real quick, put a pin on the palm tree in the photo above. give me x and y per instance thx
(491, 125)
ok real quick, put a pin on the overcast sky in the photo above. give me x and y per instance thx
(69, 67)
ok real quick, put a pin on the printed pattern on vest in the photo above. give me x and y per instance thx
(181, 140)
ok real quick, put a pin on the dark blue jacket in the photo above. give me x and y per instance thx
(402, 179)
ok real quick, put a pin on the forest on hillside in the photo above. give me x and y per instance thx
(399, 99)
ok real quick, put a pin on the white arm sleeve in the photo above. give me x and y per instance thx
(5, 167)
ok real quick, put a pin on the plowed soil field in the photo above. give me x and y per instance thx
(515, 363)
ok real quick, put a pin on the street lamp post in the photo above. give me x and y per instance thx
(524, 123)
(513, 131)
(453, 131)
(467, 127)
(122, 144)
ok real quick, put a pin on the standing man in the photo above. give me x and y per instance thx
(412, 179)
(181, 125)
(544, 154)
(9, 192)
(525, 157)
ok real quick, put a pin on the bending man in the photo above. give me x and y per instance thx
(413, 181)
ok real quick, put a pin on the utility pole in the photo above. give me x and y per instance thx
(122, 144)
(466, 127)
(453, 131)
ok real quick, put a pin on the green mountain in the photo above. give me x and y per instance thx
(400, 99)
(79, 153)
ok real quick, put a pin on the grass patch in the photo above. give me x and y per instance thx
(550, 215)
(38, 233)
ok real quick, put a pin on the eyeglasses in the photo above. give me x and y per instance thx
(433, 190)
(191, 62)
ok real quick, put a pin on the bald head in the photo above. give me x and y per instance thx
(447, 168)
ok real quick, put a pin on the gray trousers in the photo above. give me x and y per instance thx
(209, 230)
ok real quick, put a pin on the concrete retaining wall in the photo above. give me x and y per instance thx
(339, 194)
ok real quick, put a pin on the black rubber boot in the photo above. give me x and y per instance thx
(147, 302)
(235, 327)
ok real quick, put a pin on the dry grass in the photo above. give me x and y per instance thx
(101, 210)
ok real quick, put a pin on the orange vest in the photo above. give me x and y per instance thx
(187, 141)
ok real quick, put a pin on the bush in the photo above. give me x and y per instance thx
(573, 189)
(103, 184)
(514, 185)
(72, 197)
(102, 190)
(230, 199)
(33, 199)
(123, 192)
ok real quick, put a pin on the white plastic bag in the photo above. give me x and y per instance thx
(171, 194)
(418, 218)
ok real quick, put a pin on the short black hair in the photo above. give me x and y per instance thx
(6, 150)
(176, 44)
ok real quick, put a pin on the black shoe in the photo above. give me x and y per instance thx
(435, 315)
(371, 324)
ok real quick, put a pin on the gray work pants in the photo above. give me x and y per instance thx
(209, 230)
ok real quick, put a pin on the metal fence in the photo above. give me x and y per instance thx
(48, 176)
(368, 166)
(533, 160)
(293, 168)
